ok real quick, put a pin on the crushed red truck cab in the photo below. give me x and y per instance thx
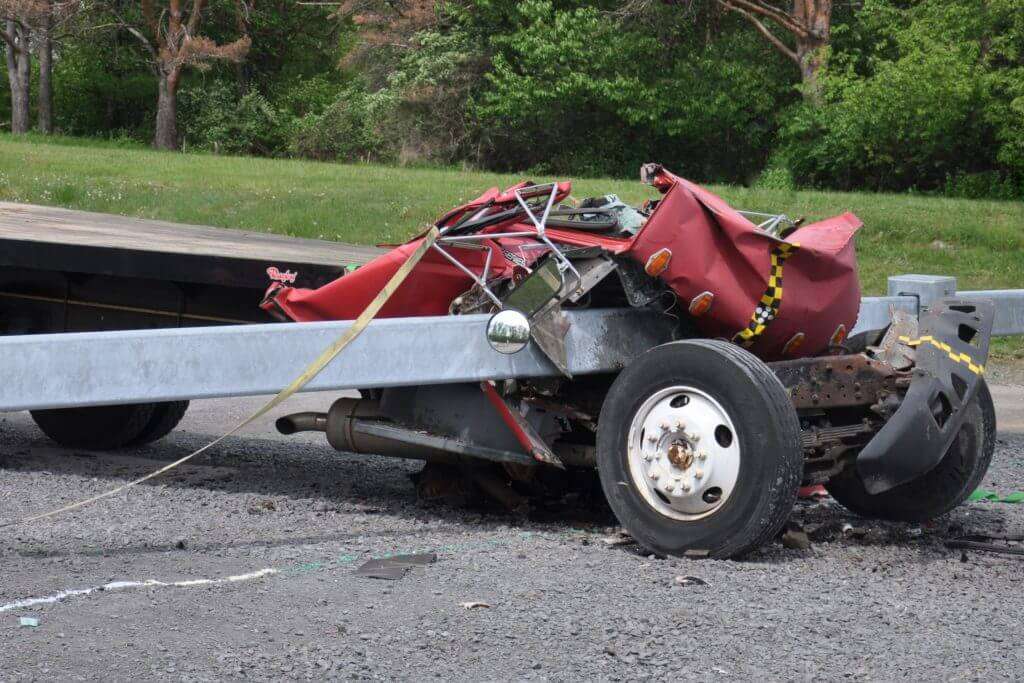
(717, 262)
(701, 442)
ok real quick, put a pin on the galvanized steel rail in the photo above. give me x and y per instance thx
(135, 366)
(97, 368)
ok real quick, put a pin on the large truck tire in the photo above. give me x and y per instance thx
(942, 489)
(95, 428)
(698, 450)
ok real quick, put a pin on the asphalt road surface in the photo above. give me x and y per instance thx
(241, 566)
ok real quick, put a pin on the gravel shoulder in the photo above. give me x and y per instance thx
(889, 602)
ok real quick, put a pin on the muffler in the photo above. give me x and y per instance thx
(358, 426)
(340, 426)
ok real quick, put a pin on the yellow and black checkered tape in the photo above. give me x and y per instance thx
(956, 356)
(768, 307)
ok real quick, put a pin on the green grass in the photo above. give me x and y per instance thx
(980, 242)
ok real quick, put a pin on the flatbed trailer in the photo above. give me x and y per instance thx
(142, 316)
(76, 271)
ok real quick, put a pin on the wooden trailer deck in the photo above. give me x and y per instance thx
(43, 237)
(76, 271)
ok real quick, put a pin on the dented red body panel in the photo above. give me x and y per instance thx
(714, 249)
(718, 250)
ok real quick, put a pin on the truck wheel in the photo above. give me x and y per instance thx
(166, 417)
(97, 428)
(698, 450)
(946, 486)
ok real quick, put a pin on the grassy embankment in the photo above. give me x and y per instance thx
(980, 242)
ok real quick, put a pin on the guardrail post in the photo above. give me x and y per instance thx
(927, 288)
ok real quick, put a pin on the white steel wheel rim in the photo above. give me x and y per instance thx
(683, 453)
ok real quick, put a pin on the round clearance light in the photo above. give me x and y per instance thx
(508, 331)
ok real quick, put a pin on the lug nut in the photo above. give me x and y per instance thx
(686, 488)
(702, 456)
(693, 437)
(699, 474)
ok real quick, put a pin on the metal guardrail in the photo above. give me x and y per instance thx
(134, 366)
(911, 293)
(1009, 308)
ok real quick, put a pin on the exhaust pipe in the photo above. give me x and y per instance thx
(302, 422)
(341, 410)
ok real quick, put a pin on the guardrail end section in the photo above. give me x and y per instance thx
(927, 288)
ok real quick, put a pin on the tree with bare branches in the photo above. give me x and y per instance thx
(808, 24)
(799, 29)
(386, 28)
(169, 31)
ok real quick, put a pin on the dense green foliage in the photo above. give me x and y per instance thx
(921, 95)
(928, 97)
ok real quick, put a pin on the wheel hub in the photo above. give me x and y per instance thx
(683, 456)
(680, 454)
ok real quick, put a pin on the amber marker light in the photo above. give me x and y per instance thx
(658, 262)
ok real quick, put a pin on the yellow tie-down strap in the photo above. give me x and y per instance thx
(956, 356)
(311, 371)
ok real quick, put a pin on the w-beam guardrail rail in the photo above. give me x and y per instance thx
(135, 366)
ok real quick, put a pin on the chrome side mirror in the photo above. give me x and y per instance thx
(508, 331)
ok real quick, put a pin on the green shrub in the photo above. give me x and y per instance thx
(306, 96)
(775, 177)
(910, 125)
(924, 107)
(102, 91)
(983, 185)
(215, 119)
(347, 130)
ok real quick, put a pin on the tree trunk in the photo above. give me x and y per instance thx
(166, 136)
(811, 57)
(19, 61)
(242, 9)
(812, 48)
(46, 77)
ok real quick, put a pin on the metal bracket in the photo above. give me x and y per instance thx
(927, 288)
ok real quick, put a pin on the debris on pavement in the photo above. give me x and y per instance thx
(474, 604)
(394, 567)
(30, 622)
(983, 494)
(261, 506)
(690, 581)
(813, 492)
(796, 539)
(618, 538)
(854, 531)
(1004, 544)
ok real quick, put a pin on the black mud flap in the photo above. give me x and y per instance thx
(951, 350)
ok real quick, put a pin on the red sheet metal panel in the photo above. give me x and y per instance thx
(767, 292)
(716, 249)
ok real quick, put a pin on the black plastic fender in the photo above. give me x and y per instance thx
(951, 350)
